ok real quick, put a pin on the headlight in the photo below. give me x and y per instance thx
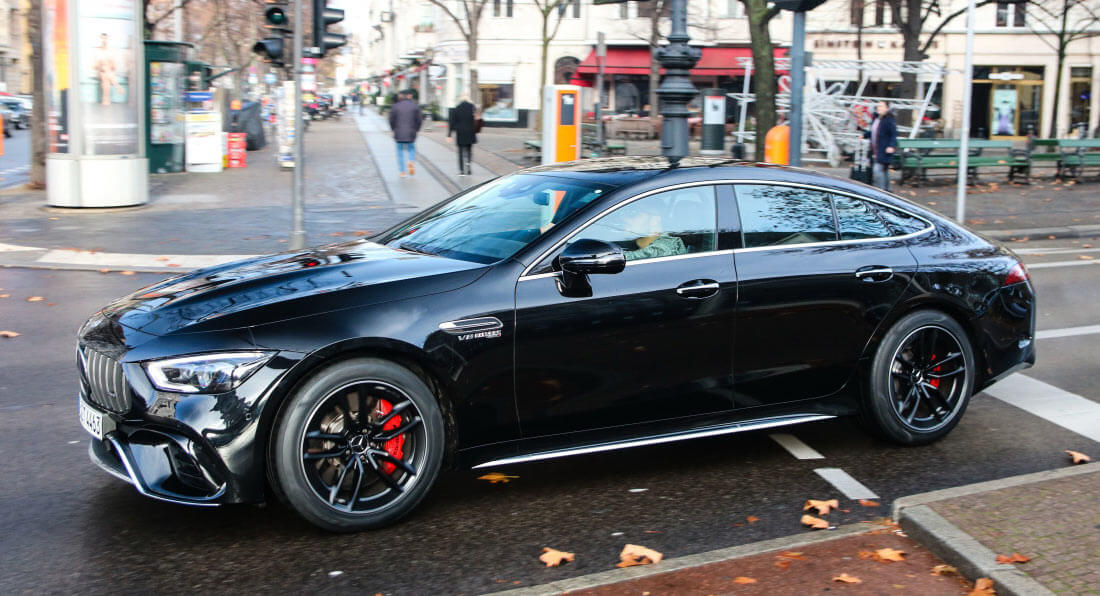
(207, 373)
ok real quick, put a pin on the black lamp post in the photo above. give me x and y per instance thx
(676, 89)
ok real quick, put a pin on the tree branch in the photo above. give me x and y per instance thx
(945, 21)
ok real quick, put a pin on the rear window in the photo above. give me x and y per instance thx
(858, 220)
(901, 223)
(779, 215)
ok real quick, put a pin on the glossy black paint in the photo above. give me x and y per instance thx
(788, 331)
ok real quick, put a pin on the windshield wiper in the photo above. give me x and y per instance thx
(408, 246)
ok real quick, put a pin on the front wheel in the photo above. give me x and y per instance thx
(920, 380)
(358, 446)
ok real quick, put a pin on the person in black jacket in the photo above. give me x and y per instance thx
(884, 142)
(405, 122)
(462, 123)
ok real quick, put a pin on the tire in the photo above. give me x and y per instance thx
(335, 456)
(920, 380)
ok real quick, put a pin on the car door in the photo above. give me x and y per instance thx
(651, 342)
(810, 296)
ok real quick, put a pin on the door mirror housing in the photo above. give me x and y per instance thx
(587, 257)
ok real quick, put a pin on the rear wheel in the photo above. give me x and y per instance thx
(921, 379)
(359, 445)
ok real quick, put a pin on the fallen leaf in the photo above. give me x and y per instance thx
(933, 203)
(495, 477)
(634, 554)
(782, 563)
(9, 334)
(4, 295)
(888, 555)
(51, 304)
(125, 272)
(983, 586)
(848, 579)
(752, 519)
(944, 569)
(743, 580)
(553, 557)
(1013, 558)
(336, 234)
(1078, 457)
(1052, 237)
(815, 523)
(823, 507)
(1085, 257)
(792, 555)
(362, 232)
(104, 270)
(868, 503)
(866, 554)
(163, 259)
(35, 299)
(1086, 246)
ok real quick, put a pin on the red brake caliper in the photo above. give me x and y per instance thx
(935, 382)
(395, 446)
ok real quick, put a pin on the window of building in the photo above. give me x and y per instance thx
(570, 9)
(502, 8)
(1012, 14)
(880, 13)
(735, 9)
(498, 102)
(855, 8)
(645, 9)
(1080, 96)
(782, 215)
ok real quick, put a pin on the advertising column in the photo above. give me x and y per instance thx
(95, 71)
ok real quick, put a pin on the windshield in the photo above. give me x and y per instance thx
(494, 221)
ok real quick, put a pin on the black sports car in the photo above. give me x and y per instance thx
(560, 310)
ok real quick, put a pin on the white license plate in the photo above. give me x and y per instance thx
(92, 420)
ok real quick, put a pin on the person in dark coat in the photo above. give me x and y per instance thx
(884, 142)
(461, 122)
(405, 121)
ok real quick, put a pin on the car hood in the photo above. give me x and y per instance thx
(277, 287)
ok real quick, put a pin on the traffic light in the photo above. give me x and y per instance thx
(323, 16)
(275, 48)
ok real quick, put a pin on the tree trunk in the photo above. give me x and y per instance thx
(542, 72)
(910, 31)
(39, 137)
(763, 83)
(1057, 92)
(471, 44)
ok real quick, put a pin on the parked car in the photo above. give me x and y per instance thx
(557, 311)
(11, 119)
(21, 112)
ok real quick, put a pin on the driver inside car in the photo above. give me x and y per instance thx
(652, 242)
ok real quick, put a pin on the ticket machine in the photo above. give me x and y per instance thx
(561, 123)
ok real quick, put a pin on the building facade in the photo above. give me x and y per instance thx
(15, 53)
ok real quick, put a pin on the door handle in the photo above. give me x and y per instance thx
(873, 273)
(700, 288)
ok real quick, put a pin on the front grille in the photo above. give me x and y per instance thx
(107, 386)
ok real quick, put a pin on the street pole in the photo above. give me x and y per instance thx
(798, 81)
(964, 134)
(297, 232)
(676, 89)
(601, 52)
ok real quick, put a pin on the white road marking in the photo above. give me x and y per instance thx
(1062, 264)
(842, 481)
(1068, 410)
(109, 259)
(1052, 251)
(795, 446)
(16, 247)
(1067, 332)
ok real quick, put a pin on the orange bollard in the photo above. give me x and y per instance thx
(777, 145)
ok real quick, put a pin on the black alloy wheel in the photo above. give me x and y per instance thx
(921, 379)
(359, 445)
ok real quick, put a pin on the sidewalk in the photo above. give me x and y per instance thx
(1050, 517)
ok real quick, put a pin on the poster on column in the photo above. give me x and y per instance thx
(55, 25)
(108, 80)
(1004, 112)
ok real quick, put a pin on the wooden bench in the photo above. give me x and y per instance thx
(1076, 155)
(920, 155)
(532, 149)
(591, 144)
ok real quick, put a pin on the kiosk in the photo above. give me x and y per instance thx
(165, 74)
(561, 123)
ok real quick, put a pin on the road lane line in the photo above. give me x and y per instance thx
(842, 481)
(795, 446)
(108, 259)
(1067, 332)
(1031, 266)
(1068, 410)
(1039, 252)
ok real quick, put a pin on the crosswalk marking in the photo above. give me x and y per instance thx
(1076, 263)
(1067, 332)
(795, 446)
(848, 486)
(1068, 410)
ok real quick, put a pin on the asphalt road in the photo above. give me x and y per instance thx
(69, 527)
(15, 163)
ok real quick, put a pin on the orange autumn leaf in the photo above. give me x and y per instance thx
(9, 334)
(1013, 558)
(983, 586)
(815, 523)
(792, 555)
(782, 563)
(866, 554)
(868, 503)
(1078, 457)
(944, 569)
(553, 557)
(752, 519)
(4, 295)
(743, 580)
(634, 554)
(848, 579)
(495, 477)
(888, 555)
(126, 272)
(823, 507)
(35, 299)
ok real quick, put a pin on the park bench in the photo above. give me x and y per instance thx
(1045, 152)
(918, 156)
(591, 144)
(1077, 154)
(532, 149)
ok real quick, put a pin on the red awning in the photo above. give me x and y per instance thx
(635, 60)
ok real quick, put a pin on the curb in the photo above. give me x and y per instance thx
(915, 515)
(1082, 231)
(615, 576)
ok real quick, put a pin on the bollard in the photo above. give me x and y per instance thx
(776, 145)
(714, 122)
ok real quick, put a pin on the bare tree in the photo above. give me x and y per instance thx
(157, 11)
(39, 137)
(468, 22)
(760, 15)
(546, 9)
(1053, 22)
(655, 12)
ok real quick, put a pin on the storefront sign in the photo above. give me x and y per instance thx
(893, 44)
(1007, 76)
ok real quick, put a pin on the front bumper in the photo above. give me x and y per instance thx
(157, 475)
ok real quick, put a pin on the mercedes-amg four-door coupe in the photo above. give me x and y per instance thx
(556, 311)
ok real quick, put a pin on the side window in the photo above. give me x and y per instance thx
(666, 224)
(901, 223)
(858, 220)
(779, 215)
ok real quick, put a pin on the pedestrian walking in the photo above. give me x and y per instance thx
(463, 123)
(405, 121)
(884, 142)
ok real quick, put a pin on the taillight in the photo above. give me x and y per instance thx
(1017, 274)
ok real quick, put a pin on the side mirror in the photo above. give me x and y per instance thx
(586, 257)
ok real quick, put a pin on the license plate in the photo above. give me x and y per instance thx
(93, 421)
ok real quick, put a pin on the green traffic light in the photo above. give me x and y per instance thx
(275, 16)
